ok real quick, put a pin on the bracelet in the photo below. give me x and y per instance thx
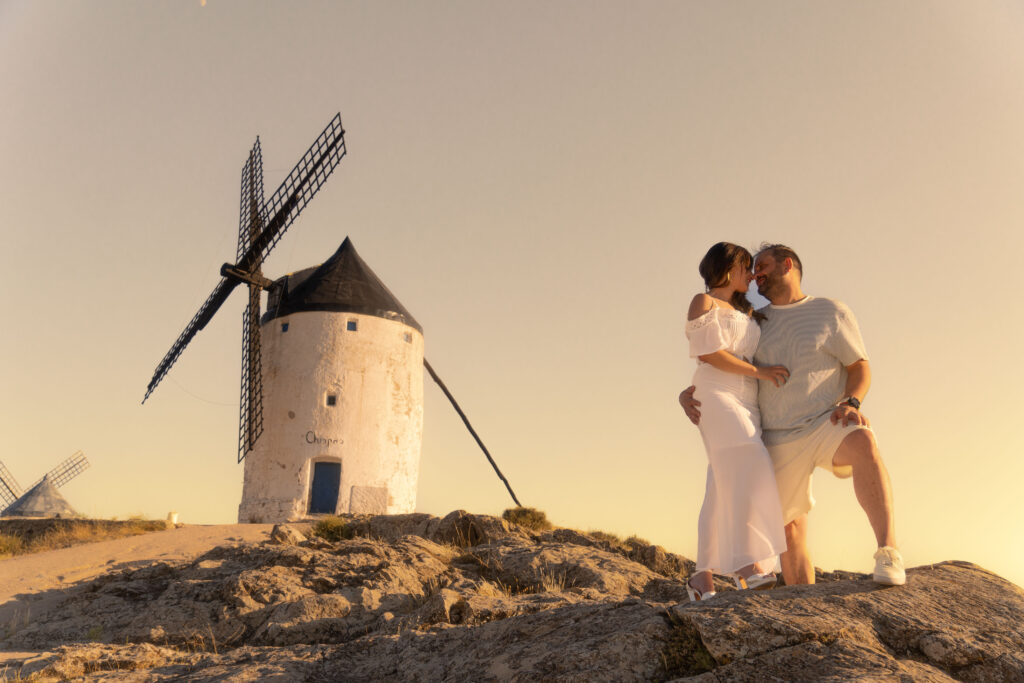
(851, 401)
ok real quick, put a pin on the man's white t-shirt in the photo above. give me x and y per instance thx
(815, 339)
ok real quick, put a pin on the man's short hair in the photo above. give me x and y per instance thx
(780, 252)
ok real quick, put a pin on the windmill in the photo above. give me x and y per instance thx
(343, 360)
(41, 499)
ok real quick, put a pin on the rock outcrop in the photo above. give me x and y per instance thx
(470, 597)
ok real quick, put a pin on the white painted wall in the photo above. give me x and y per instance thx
(375, 430)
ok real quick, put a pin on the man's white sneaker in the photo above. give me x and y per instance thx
(889, 567)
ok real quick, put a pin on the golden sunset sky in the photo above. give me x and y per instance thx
(536, 182)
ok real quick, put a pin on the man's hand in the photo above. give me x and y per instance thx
(846, 414)
(689, 404)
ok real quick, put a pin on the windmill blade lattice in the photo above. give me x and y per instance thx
(9, 489)
(66, 471)
(305, 180)
(258, 232)
(250, 227)
(250, 421)
(210, 306)
(250, 213)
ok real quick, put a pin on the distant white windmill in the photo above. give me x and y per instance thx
(42, 498)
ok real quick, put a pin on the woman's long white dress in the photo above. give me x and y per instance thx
(741, 520)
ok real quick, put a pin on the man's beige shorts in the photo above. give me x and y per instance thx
(795, 462)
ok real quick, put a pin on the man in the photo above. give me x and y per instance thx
(814, 419)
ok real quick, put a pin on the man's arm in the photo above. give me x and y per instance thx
(689, 404)
(858, 381)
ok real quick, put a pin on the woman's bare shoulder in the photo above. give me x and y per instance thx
(701, 304)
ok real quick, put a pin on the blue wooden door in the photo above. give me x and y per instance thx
(326, 483)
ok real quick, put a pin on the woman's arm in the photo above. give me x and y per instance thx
(726, 362)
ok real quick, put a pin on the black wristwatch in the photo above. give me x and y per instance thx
(852, 401)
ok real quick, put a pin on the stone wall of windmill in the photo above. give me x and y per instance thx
(342, 398)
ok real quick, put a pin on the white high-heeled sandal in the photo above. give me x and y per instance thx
(696, 595)
(755, 582)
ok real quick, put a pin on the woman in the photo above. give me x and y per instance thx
(740, 526)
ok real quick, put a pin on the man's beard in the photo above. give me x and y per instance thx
(772, 282)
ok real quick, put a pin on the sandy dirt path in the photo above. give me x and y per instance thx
(28, 581)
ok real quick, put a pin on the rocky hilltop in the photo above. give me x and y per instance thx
(477, 598)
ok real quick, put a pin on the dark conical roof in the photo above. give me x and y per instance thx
(343, 283)
(42, 500)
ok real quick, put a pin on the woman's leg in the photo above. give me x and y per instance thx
(752, 533)
(751, 569)
(702, 581)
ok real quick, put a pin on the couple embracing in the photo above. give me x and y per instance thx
(777, 392)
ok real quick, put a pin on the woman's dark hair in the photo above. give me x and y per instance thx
(715, 267)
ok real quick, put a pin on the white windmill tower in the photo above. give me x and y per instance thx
(343, 387)
(342, 359)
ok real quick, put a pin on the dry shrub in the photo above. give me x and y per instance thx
(78, 533)
(609, 538)
(73, 533)
(10, 545)
(531, 518)
(333, 529)
(554, 581)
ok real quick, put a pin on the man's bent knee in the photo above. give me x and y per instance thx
(858, 447)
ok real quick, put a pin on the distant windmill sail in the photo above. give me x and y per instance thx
(261, 225)
(9, 489)
(66, 471)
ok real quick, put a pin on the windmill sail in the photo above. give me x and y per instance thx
(250, 213)
(250, 422)
(259, 232)
(9, 489)
(305, 180)
(66, 471)
(250, 227)
(210, 306)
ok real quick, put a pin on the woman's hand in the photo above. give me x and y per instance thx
(777, 374)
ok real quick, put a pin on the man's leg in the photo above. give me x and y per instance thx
(796, 561)
(870, 482)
